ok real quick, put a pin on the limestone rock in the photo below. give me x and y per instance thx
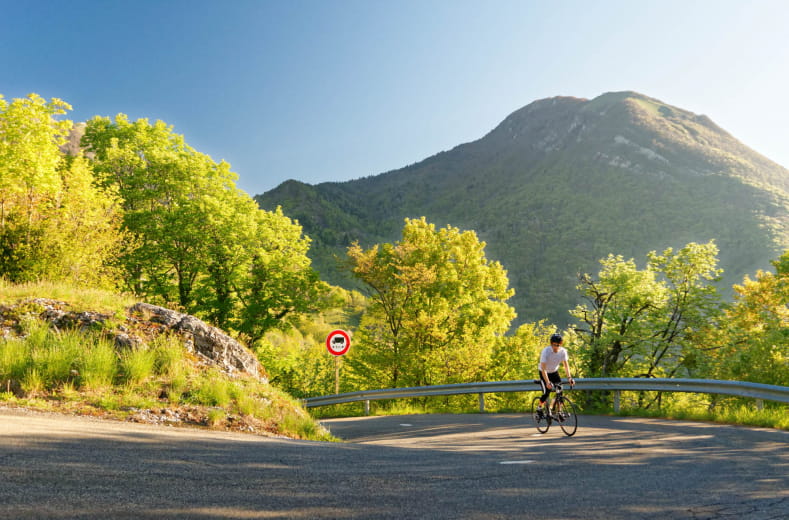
(202, 339)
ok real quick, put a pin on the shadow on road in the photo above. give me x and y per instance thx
(470, 466)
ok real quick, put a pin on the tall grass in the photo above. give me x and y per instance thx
(98, 364)
(137, 365)
(211, 390)
(14, 359)
(771, 416)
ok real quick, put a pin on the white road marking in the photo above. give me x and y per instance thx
(517, 461)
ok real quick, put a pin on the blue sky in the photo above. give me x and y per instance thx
(334, 90)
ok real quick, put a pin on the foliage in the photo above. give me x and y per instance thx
(437, 308)
(296, 358)
(203, 243)
(646, 323)
(55, 222)
(754, 343)
(150, 213)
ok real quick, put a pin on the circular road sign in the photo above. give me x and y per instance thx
(338, 342)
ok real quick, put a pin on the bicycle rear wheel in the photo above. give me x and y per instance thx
(568, 419)
(541, 421)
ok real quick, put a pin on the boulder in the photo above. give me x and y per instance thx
(208, 342)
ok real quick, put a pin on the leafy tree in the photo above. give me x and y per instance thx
(29, 155)
(646, 323)
(55, 222)
(614, 315)
(279, 282)
(203, 243)
(754, 343)
(166, 187)
(692, 304)
(81, 230)
(437, 307)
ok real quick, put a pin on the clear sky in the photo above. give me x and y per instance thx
(332, 90)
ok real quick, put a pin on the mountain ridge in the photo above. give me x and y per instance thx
(559, 184)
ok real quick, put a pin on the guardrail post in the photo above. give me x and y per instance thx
(366, 407)
(760, 404)
(481, 402)
(616, 400)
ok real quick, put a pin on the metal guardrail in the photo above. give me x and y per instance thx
(703, 386)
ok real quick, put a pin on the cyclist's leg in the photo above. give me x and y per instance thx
(554, 378)
(545, 391)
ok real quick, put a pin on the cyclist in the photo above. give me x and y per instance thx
(550, 359)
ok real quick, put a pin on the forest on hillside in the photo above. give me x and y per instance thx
(137, 210)
(560, 184)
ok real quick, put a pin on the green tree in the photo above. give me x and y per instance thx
(81, 235)
(692, 304)
(279, 283)
(203, 243)
(614, 317)
(56, 223)
(647, 322)
(754, 343)
(166, 187)
(30, 136)
(438, 307)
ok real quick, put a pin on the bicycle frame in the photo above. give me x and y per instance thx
(560, 409)
(558, 400)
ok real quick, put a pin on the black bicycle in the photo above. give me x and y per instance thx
(560, 410)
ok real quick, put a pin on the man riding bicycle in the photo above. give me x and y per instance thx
(550, 359)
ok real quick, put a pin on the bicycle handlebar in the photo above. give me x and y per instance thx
(537, 382)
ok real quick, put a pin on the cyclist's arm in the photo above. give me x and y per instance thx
(544, 372)
(567, 371)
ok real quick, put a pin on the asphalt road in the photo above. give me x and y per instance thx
(436, 466)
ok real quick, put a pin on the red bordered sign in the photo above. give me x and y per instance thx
(338, 342)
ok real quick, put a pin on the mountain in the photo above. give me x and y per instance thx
(560, 184)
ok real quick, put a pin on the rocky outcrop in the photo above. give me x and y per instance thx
(211, 346)
(204, 340)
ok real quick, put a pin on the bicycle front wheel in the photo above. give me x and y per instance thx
(541, 420)
(567, 417)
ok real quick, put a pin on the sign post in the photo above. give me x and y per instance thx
(337, 343)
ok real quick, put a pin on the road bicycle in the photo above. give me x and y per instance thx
(560, 410)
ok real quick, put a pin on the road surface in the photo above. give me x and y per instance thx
(429, 466)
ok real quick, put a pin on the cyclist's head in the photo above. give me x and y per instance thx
(556, 339)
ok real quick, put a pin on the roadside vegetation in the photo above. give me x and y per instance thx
(84, 372)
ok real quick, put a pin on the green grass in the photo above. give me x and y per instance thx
(98, 364)
(79, 299)
(771, 416)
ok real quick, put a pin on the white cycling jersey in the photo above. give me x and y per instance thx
(552, 359)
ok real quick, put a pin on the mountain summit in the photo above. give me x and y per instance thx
(560, 184)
